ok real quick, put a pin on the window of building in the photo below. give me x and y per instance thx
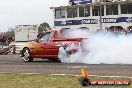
(59, 13)
(112, 9)
(81, 11)
(102, 10)
(115, 9)
(62, 13)
(129, 8)
(108, 10)
(126, 8)
(123, 8)
(71, 12)
(96, 10)
(87, 11)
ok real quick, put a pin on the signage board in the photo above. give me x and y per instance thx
(76, 2)
(93, 21)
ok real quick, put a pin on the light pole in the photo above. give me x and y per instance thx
(100, 14)
(28, 34)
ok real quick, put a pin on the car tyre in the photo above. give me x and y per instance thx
(58, 60)
(26, 55)
(62, 54)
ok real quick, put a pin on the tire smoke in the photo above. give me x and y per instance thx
(106, 48)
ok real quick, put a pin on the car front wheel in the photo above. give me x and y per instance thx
(26, 55)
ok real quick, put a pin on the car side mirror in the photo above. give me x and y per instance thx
(36, 40)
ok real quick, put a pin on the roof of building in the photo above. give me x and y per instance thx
(93, 4)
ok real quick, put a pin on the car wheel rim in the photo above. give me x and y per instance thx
(26, 55)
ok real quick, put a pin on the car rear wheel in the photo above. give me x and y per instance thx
(62, 55)
(26, 55)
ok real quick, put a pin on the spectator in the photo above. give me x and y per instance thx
(0, 39)
(4, 38)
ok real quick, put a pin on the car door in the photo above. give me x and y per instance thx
(51, 47)
(42, 43)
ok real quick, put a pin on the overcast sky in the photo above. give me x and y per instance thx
(17, 12)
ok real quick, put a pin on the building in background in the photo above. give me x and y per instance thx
(25, 33)
(88, 13)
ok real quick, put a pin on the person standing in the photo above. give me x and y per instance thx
(4, 38)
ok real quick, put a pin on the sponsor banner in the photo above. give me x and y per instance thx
(75, 2)
(111, 82)
(86, 81)
(93, 21)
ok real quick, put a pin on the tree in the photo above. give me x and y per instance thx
(10, 32)
(43, 27)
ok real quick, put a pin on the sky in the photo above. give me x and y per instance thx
(27, 12)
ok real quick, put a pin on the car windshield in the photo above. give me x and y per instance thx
(45, 37)
(74, 33)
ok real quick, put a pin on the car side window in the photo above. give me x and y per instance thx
(56, 35)
(45, 37)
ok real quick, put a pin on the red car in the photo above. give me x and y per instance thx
(47, 46)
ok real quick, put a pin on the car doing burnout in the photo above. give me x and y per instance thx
(47, 46)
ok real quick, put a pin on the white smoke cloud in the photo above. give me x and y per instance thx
(104, 48)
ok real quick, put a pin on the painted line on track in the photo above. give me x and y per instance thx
(76, 66)
(92, 76)
(67, 75)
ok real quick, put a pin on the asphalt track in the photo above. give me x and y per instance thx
(14, 64)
